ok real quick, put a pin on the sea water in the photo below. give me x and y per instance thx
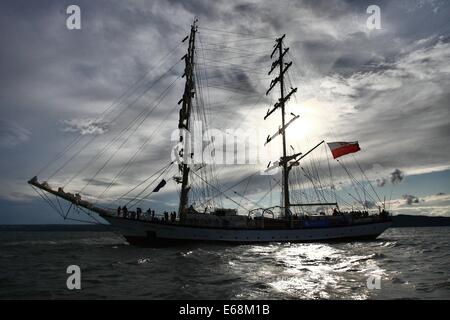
(404, 263)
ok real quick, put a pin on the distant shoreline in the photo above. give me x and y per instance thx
(405, 221)
(56, 228)
(399, 221)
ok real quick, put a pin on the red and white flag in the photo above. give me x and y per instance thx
(339, 149)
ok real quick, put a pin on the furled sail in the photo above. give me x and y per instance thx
(160, 185)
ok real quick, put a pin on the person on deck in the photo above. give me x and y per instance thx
(166, 216)
(138, 213)
(119, 211)
(125, 211)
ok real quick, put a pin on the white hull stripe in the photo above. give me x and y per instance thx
(133, 229)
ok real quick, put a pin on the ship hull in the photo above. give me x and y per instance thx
(148, 233)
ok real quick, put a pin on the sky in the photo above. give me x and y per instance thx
(386, 88)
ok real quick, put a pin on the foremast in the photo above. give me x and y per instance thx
(184, 120)
(284, 160)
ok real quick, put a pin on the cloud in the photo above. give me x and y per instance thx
(410, 199)
(369, 204)
(101, 183)
(16, 191)
(392, 106)
(381, 182)
(388, 88)
(85, 126)
(433, 205)
(12, 134)
(396, 176)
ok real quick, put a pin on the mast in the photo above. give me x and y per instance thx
(184, 121)
(285, 165)
(284, 161)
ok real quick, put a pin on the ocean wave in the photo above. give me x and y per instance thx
(412, 264)
(64, 242)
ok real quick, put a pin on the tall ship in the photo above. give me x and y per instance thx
(297, 218)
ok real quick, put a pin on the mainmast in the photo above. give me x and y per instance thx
(184, 121)
(284, 161)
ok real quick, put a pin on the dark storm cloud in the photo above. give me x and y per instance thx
(238, 80)
(198, 8)
(369, 204)
(401, 103)
(245, 7)
(410, 199)
(396, 176)
(100, 183)
(92, 64)
(381, 182)
(12, 134)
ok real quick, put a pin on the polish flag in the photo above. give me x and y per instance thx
(339, 149)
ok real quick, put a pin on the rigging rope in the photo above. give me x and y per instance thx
(146, 180)
(109, 108)
(225, 195)
(161, 97)
(134, 156)
(237, 33)
(119, 135)
(149, 194)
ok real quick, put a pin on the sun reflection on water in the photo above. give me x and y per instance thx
(310, 271)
